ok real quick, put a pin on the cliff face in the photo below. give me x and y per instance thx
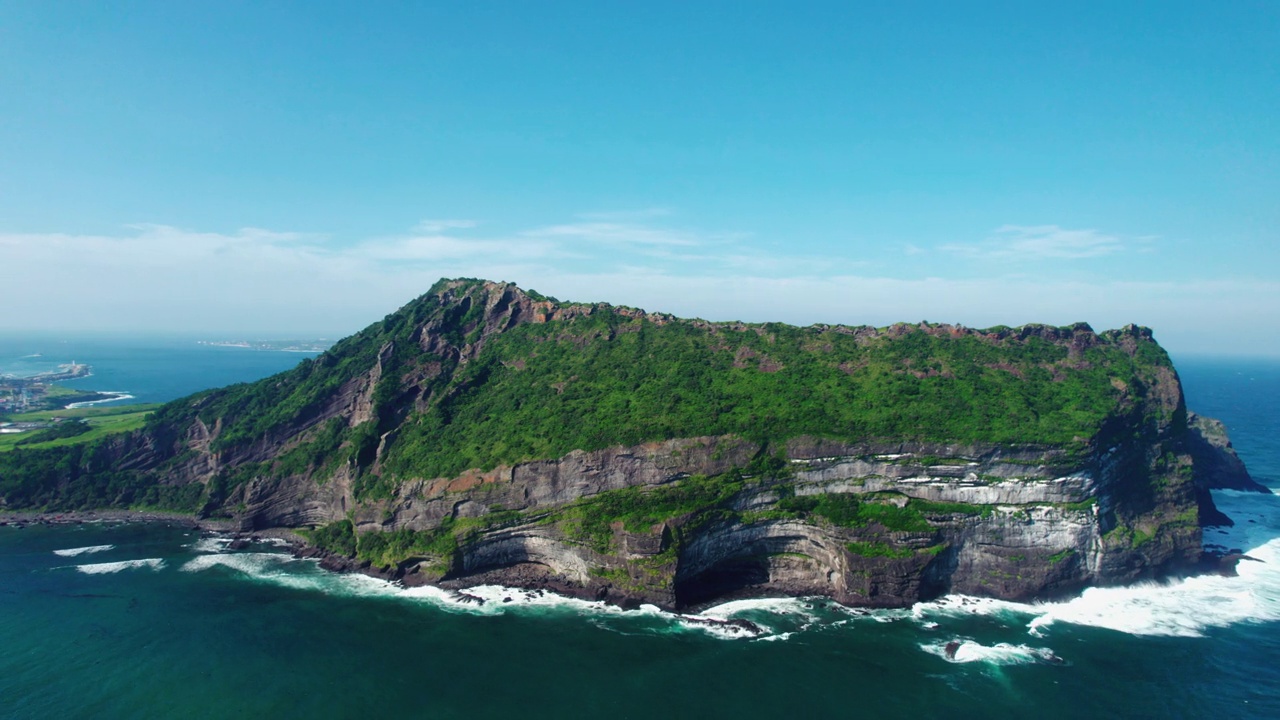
(921, 520)
(484, 433)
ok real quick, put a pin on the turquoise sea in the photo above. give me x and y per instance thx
(150, 369)
(155, 621)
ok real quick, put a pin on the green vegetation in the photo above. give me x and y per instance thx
(82, 476)
(702, 499)
(65, 429)
(932, 461)
(337, 537)
(81, 413)
(1129, 536)
(321, 452)
(607, 378)
(386, 549)
(617, 576)
(1061, 555)
(1135, 536)
(92, 425)
(691, 503)
(878, 549)
(686, 504)
(591, 520)
(539, 391)
(855, 511)
(252, 410)
(1081, 506)
(943, 509)
(603, 377)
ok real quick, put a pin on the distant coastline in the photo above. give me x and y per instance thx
(115, 397)
(296, 346)
(77, 517)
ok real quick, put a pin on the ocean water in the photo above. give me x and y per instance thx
(148, 369)
(155, 621)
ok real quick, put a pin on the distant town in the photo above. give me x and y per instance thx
(38, 392)
(304, 346)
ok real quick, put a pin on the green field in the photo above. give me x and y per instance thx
(102, 421)
(56, 391)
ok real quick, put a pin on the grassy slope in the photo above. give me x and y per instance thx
(103, 421)
(542, 390)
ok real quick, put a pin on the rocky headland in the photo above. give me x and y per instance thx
(485, 434)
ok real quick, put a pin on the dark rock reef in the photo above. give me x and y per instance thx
(1218, 467)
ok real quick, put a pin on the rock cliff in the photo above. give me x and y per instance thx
(485, 433)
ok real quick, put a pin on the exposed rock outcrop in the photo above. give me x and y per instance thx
(1218, 467)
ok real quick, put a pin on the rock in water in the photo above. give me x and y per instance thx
(1218, 467)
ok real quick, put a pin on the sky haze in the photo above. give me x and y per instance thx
(306, 168)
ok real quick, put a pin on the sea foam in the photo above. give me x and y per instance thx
(968, 651)
(115, 567)
(1186, 607)
(214, 544)
(482, 600)
(116, 396)
(72, 552)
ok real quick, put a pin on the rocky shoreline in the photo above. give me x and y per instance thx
(534, 578)
(529, 577)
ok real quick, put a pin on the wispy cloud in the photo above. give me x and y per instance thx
(436, 248)
(616, 233)
(164, 277)
(627, 215)
(1039, 242)
(432, 227)
(252, 280)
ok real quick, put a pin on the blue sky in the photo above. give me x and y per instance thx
(305, 168)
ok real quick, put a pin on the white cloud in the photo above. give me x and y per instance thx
(1039, 242)
(161, 278)
(429, 248)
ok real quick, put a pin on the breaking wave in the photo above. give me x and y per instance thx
(1181, 608)
(116, 396)
(725, 621)
(1185, 608)
(115, 567)
(968, 651)
(72, 552)
(214, 544)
